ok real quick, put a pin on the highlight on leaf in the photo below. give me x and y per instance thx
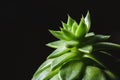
(82, 29)
(76, 54)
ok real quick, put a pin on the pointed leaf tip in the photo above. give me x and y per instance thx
(65, 26)
(82, 29)
(88, 20)
(68, 34)
(70, 21)
(58, 34)
(86, 49)
(74, 27)
(55, 44)
(58, 52)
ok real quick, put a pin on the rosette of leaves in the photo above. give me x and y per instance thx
(74, 55)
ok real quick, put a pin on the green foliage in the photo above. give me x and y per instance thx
(93, 73)
(73, 57)
(72, 70)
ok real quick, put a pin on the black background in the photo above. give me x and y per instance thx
(37, 16)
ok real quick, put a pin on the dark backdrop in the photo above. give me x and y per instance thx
(38, 16)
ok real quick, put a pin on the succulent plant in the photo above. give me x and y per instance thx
(74, 57)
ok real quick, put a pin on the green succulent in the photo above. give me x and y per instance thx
(74, 55)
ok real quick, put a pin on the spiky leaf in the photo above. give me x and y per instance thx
(65, 26)
(56, 44)
(68, 34)
(86, 49)
(59, 51)
(74, 27)
(58, 34)
(88, 21)
(70, 21)
(90, 34)
(81, 30)
(96, 38)
(77, 46)
(106, 46)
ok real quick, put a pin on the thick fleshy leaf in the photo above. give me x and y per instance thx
(56, 44)
(70, 44)
(86, 49)
(46, 74)
(56, 77)
(106, 46)
(62, 59)
(96, 38)
(43, 66)
(75, 43)
(70, 21)
(94, 59)
(82, 29)
(52, 73)
(65, 26)
(59, 51)
(74, 27)
(58, 34)
(106, 53)
(42, 75)
(88, 21)
(90, 34)
(71, 71)
(93, 73)
(68, 34)
(110, 75)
